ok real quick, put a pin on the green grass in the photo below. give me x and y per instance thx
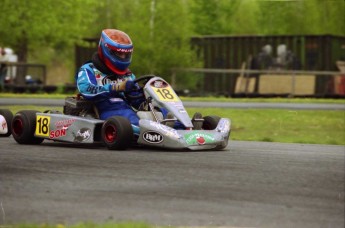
(288, 126)
(269, 125)
(32, 95)
(84, 225)
(265, 100)
(206, 99)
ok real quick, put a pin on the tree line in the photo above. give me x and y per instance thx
(47, 30)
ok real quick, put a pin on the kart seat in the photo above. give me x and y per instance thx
(78, 106)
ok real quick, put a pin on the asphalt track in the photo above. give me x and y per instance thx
(250, 184)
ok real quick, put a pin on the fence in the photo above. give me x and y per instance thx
(311, 52)
(316, 53)
(23, 77)
(256, 83)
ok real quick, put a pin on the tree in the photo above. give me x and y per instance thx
(302, 17)
(325, 17)
(214, 16)
(26, 25)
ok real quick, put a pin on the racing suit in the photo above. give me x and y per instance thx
(95, 86)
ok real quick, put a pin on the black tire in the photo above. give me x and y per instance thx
(24, 126)
(210, 122)
(7, 114)
(117, 133)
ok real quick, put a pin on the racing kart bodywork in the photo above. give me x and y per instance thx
(6, 117)
(79, 123)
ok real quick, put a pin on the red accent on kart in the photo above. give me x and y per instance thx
(17, 127)
(200, 140)
(110, 134)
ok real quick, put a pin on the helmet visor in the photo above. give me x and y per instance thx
(121, 54)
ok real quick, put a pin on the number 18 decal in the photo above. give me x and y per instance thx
(42, 125)
(166, 94)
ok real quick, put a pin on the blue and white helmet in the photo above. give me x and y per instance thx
(115, 50)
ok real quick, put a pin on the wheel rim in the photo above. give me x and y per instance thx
(110, 134)
(17, 127)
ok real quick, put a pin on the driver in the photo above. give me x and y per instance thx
(106, 78)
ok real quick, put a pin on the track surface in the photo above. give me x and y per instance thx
(250, 184)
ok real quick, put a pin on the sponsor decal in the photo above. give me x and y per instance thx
(159, 84)
(152, 137)
(64, 124)
(82, 135)
(124, 50)
(57, 133)
(178, 105)
(93, 89)
(111, 80)
(199, 138)
(167, 130)
(119, 49)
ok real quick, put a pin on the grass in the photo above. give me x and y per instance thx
(34, 95)
(269, 125)
(288, 126)
(265, 100)
(84, 225)
(205, 99)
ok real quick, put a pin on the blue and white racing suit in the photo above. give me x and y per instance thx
(96, 86)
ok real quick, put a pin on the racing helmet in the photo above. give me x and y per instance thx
(115, 50)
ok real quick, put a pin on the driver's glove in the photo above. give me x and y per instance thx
(124, 86)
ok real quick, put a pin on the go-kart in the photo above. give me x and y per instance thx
(80, 123)
(6, 117)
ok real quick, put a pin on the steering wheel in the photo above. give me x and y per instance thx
(143, 80)
(141, 83)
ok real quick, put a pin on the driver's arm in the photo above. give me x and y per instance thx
(87, 85)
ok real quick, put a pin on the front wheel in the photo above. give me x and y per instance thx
(210, 122)
(117, 133)
(8, 116)
(24, 126)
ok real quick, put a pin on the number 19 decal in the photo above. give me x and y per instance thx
(166, 94)
(42, 125)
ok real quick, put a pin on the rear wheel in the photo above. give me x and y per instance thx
(24, 126)
(7, 114)
(117, 133)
